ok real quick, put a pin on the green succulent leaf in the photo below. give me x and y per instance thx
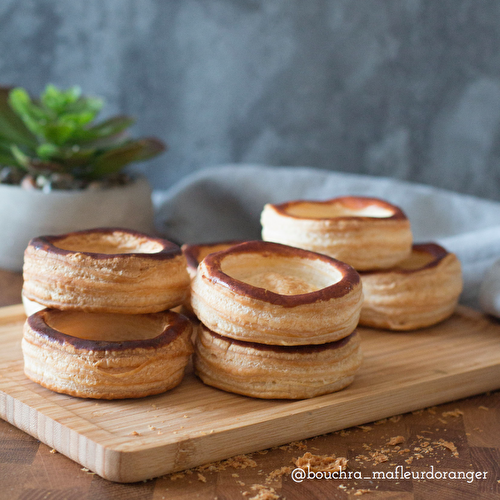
(6, 159)
(85, 106)
(59, 116)
(58, 133)
(12, 128)
(22, 159)
(47, 151)
(109, 130)
(114, 160)
(34, 117)
(70, 104)
(58, 100)
(6, 156)
(35, 165)
(75, 157)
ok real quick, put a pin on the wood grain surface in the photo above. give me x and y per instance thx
(31, 470)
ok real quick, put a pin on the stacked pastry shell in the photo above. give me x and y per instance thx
(420, 291)
(276, 321)
(105, 330)
(405, 286)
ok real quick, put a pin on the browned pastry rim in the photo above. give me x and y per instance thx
(436, 251)
(213, 262)
(104, 355)
(366, 233)
(175, 326)
(292, 349)
(352, 202)
(49, 244)
(420, 291)
(192, 251)
(105, 270)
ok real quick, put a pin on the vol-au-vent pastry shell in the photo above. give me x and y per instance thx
(263, 371)
(421, 291)
(366, 233)
(105, 270)
(106, 356)
(274, 294)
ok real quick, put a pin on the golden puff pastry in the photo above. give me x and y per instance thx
(195, 253)
(269, 372)
(366, 233)
(421, 291)
(105, 270)
(106, 356)
(274, 294)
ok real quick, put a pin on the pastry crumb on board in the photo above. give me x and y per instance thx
(383, 451)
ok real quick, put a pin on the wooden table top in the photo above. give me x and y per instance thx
(451, 451)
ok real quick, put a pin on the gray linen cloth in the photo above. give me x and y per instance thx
(225, 202)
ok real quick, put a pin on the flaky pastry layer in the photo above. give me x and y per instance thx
(144, 354)
(366, 233)
(105, 270)
(195, 253)
(270, 372)
(273, 294)
(422, 291)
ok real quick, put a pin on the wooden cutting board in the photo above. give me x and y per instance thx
(195, 424)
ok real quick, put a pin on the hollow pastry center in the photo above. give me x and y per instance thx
(416, 260)
(285, 276)
(107, 327)
(335, 210)
(279, 283)
(112, 243)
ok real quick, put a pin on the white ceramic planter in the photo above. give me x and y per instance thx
(25, 214)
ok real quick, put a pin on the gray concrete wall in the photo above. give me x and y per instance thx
(403, 88)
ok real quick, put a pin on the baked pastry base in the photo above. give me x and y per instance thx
(366, 233)
(275, 372)
(273, 294)
(422, 291)
(105, 270)
(141, 355)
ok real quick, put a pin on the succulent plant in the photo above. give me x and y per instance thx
(57, 136)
